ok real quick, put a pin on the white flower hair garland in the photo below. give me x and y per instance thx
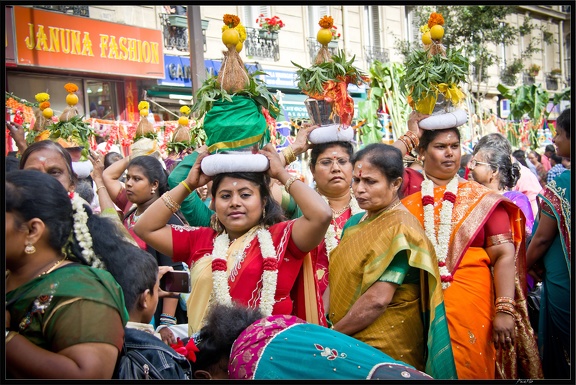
(269, 274)
(81, 231)
(440, 241)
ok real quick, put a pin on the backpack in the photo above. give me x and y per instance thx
(146, 357)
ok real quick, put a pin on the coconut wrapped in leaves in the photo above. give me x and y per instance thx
(233, 76)
(71, 99)
(145, 129)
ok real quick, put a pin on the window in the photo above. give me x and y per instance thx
(412, 29)
(251, 14)
(372, 25)
(314, 15)
(102, 99)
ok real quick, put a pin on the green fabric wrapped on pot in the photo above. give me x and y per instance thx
(235, 125)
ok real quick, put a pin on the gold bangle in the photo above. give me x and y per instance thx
(505, 300)
(10, 335)
(170, 203)
(413, 138)
(98, 188)
(408, 147)
(183, 183)
(289, 155)
(289, 183)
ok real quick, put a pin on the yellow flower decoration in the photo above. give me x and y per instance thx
(185, 110)
(42, 97)
(241, 31)
(70, 87)
(424, 28)
(143, 105)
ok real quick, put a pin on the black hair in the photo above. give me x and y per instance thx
(319, 148)
(386, 158)
(550, 148)
(563, 122)
(500, 161)
(429, 135)
(54, 208)
(139, 272)
(152, 170)
(222, 326)
(110, 158)
(464, 160)
(50, 145)
(520, 157)
(274, 212)
(12, 163)
(556, 158)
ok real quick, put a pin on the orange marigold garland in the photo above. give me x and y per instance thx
(435, 19)
(70, 87)
(231, 20)
(326, 22)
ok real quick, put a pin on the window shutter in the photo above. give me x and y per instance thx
(252, 12)
(411, 25)
(315, 12)
(375, 25)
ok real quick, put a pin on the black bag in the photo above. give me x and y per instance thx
(533, 302)
(134, 366)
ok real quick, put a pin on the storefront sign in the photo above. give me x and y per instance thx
(54, 40)
(280, 79)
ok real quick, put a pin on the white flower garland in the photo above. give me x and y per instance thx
(82, 233)
(441, 241)
(269, 275)
(331, 238)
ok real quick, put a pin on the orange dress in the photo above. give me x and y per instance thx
(469, 301)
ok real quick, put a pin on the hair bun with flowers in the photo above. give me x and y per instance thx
(428, 95)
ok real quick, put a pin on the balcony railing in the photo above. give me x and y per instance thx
(314, 47)
(175, 30)
(78, 10)
(374, 53)
(261, 44)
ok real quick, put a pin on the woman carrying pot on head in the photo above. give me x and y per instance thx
(478, 236)
(251, 256)
(381, 267)
(65, 315)
(146, 181)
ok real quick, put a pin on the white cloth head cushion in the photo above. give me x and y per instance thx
(331, 133)
(444, 120)
(242, 162)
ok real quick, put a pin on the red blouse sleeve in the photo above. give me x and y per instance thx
(497, 223)
(191, 243)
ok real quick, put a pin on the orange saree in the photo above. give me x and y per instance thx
(469, 300)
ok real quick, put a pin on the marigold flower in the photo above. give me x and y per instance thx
(326, 22)
(231, 20)
(70, 87)
(143, 105)
(42, 97)
(44, 105)
(435, 19)
(185, 110)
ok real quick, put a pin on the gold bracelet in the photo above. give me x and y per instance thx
(408, 147)
(170, 203)
(289, 155)
(289, 182)
(10, 335)
(183, 183)
(504, 300)
(98, 188)
(413, 138)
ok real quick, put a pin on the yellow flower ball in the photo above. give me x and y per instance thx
(183, 121)
(324, 36)
(230, 37)
(437, 32)
(239, 46)
(71, 99)
(144, 112)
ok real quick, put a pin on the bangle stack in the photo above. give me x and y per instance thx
(506, 305)
(289, 155)
(289, 183)
(170, 203)
(167, 319)
(183, 183)
(410, 140)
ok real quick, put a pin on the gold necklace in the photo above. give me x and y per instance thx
(54, 266)
(336, 214)
(384, 210)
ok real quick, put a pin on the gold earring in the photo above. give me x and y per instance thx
(215, 223)
(264, 212)
(29, 249)
(153, 191)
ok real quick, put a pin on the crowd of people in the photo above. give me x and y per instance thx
(374, 270)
